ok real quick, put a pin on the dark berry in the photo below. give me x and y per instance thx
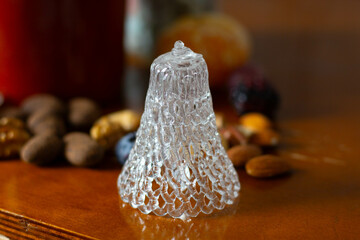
(124, 146)
(250, 91)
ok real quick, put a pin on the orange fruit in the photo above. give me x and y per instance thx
(255, 121)
(224, 43)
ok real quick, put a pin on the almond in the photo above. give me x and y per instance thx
(83, 112)
(42, 149)
(265, 137)
(266, 166)
(240, 154)
(81, 150)
(39, 101)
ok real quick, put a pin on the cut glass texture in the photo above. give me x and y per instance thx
(178, 166)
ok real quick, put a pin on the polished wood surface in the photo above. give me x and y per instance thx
(318, 200)
(311, 53)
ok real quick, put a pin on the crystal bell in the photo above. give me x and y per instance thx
(178, 166)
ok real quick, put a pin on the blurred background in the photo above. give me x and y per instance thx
(290, 58)
(309, 49)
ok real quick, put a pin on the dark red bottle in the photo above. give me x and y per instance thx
(68, 48)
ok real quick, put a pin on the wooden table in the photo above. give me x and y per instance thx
(312, 58)
(318, 200)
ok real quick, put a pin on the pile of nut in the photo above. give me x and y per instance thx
(245, 142)
(44, 129)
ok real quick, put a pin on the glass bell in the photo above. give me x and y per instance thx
(178, 166)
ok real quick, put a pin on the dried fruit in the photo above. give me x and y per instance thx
(40, 115)
(128, 119)
(266, 166)
(12, 137)
(220, 119)
(250, 91)
(124, 146)
(265, 137)
(255, 121)
(11, 111)
(110, 128)
(39, 101)
(233, 135)
(41, 149)
(240, 154)
(83, 112)
(81, 150)
(106, 133)
(11, 122)
(51, 125)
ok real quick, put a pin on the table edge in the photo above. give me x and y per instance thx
(17, 226)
